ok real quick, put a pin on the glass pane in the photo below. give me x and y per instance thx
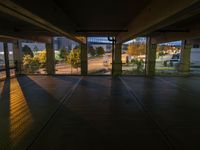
(2, 59)
(168, 58)
(195, 61)
(2, 63)
(134, 57)
(67, 56)
(34, 58)
(99, 56)
(11, 60)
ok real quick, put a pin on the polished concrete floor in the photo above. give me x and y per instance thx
(100, 113)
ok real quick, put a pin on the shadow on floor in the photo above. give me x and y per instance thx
(25, 106)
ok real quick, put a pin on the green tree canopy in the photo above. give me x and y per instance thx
(100, 51)
(92, 51)
(63, 52)
(35, 49)
(27, 51)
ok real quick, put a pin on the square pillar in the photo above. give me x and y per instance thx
(84, 59)
(6, 58)
(150, 58)
(184, 66)
(50, 58)
(17, 56)
(117, 62)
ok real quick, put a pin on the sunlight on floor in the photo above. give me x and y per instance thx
(20, 116)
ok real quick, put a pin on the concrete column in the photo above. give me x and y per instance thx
(50, 58)
(184, 66)
(17, 55)
(84, 59)
(6, 58)
(117, 63)
(151, 58)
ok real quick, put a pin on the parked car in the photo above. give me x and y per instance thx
(174, 61)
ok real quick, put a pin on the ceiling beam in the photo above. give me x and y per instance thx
(12, 9)
(193, 41)
(35, 38)
(164, 37)
(158, 14)
(4, 38)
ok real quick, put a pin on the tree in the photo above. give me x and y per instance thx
(100, 51)
(74, 57)
(63, 53)
(41, 57)
(159, 48)
(31, 64)
(136, 49)
(132, 49)
(92, 51)
(35, 49)
(27, 51)
(27, 60)
(139, 65)
(142, 49)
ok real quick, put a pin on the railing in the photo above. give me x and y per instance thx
(3, 72)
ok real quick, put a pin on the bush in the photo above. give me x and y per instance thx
(41, 57)
(139, 65)
(33, 64)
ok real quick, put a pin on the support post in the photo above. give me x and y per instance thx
(17, 56)
(117, 63)
(50, 58)
(150, 58)
(184, 66)
(84, 59)
(6, 58)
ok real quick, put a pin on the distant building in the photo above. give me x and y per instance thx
(100, 42)
(174, 43)
(62, 42)
(137, 40)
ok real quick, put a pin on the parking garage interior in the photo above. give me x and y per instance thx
(93, 75)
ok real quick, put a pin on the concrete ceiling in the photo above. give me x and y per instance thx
(11, 25)
(102, 15)
(187, 29)
(75, 16)
(124, 19)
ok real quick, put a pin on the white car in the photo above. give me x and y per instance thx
(174, 61)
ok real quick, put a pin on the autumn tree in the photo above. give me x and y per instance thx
(142, 49)
(41, 56)
(32, 64)
(136, 49)
(74, 57)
